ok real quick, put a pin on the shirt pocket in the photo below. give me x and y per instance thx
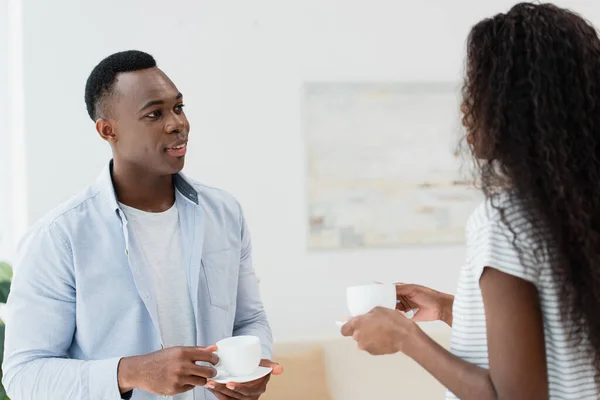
(217, 267)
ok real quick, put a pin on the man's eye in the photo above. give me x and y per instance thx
(154, 114)
(179, 108)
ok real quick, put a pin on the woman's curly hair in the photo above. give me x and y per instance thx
(531, 103)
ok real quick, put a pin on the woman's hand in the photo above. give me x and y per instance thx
(431, 305)
(382, 331)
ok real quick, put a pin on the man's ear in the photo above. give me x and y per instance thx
(106, 130)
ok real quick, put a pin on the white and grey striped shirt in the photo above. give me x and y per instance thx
(490, 243)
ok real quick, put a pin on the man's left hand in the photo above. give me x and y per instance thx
(245, 391)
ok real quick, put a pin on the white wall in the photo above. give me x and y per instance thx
(241, 65)
(5, 242)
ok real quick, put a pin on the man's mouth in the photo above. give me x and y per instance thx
(177, 151)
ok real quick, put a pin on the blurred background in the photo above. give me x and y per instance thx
(268, 85)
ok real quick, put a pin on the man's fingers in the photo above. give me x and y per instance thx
(250, 389)
(276, 368)
(205, 354)
(220, 396)
(220, 388)
(202, 371)
(186, 387)
(232, 394)
(207, 349)
(194, 380)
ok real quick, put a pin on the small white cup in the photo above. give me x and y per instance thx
(362, 299)
(238, 355)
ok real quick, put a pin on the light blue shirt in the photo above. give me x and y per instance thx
(81, 297)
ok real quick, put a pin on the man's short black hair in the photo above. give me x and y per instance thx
(102, 79)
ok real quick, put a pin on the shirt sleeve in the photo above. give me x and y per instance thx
(40, 327)
(491, 242)
(250, 317)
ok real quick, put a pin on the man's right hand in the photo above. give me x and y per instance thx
(431, 304)
(169, 371)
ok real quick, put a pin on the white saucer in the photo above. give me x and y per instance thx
(257, 374)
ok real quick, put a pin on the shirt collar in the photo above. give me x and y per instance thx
(107, 189)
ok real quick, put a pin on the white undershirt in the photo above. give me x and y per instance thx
(159, 236)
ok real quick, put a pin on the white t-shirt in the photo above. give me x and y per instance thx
(489, 243)
(159, 236)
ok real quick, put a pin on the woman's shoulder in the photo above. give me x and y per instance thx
(500, 235)
(498, 211)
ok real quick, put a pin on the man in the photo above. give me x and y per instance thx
(122, 291)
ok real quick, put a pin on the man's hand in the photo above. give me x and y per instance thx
(245, 391)
(167, 372)
(431, 304)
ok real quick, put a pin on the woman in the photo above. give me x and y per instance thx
(526, 317)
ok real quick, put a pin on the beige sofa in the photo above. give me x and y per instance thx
(336, 370)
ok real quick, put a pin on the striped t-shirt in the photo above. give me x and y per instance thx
(490, 243)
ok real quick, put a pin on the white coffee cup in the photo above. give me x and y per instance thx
(362, 299)
(238, 355)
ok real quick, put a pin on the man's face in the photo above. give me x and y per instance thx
(148, 123)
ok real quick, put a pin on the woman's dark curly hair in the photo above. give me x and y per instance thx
(531, 103)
